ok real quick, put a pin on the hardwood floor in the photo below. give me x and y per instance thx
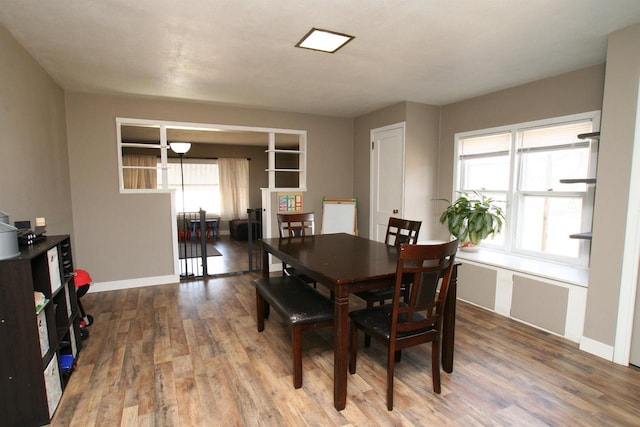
(189, 354)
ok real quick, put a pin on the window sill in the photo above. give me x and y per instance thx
(539, 268)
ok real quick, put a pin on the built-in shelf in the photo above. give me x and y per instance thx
(585, 236)
(578, 181)
(285, 151)
(287, 163)
(590, 135)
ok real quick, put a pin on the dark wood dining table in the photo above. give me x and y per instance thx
(346, 264)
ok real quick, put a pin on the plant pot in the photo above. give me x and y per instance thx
(469, 247)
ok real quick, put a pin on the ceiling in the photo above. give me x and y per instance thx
(242, 52)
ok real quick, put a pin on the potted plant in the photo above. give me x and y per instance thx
(471, 218)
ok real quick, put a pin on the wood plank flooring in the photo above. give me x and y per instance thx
(189, 354)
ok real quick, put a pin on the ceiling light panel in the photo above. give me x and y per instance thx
(324, 40)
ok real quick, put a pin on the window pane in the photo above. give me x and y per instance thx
(499, 199)
(140, 171)
(555, 135)
(485, 162)
(201, 185)
(551, 153)
(547, 222)
(486, 173)
(485, 144)
(543, 170)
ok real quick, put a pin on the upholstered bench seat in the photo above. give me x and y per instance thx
(299, 305)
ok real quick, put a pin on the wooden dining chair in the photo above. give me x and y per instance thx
(399, 231)
(296, 225)
(414, 320)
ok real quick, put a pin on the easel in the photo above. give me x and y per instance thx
(339, 216)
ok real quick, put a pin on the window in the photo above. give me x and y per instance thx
(201, 184)
(520, 167)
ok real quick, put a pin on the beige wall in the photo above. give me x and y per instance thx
(127, 236)
(421, 166)
(362, 156)
(575, 92)
(477, 284)
(421, 146)
(33, 157)
(540, 303)
(620, 109)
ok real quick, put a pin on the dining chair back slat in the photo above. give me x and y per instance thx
(296, 224)
(401, 231)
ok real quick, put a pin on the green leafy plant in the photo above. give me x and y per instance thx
(473, 217)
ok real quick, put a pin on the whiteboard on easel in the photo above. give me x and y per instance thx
(340, 216)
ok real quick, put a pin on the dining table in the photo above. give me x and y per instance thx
(346, 264)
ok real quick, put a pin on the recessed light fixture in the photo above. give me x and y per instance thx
(324, 40)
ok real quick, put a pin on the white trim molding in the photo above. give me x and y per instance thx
(134, 283)
(596, 348)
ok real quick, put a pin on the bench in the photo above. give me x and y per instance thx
(301, 306)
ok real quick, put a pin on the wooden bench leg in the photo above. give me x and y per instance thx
(296, 342)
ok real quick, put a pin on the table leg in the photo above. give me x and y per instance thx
(341, 349)
(265, 264)
(449, 323)
(265, 275)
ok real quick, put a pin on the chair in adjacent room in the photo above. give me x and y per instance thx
(296, 225)
(416, 319)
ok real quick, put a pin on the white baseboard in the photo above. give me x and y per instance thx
(596, 348)
(133, 283)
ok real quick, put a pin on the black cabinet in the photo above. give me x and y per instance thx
(37, 338)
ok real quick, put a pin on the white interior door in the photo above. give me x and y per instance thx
(387, 178)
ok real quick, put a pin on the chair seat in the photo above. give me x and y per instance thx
(376, 295)
(293, 299)
(377, 321)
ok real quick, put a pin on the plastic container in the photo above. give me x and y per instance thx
(8, 241)
(66, 363)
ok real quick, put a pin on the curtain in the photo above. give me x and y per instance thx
(143, 175)
(234, 188)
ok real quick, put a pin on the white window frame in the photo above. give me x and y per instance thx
(513, 194)
(272, 149)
